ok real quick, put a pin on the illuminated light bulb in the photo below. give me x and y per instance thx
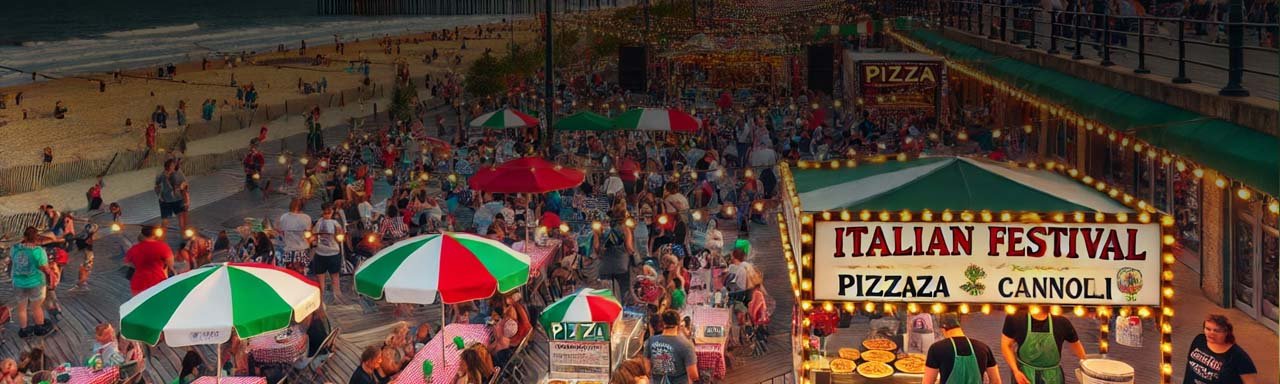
(913, 308)
(306, 234)
(424, 176)
(986, 216)
(1122, 217)
(1009, 309)
(995, 133)
(303, 161)
(1167, 275)
(934, 136)
(927, 215)
(283, 160)
(826, 215)
(1111, 136)
(1168, 258)
(729, 210)
(1166, 159)
(1055, 310)
(1167, 292)
(1244, 193)
(388, 171)
(453, 178)
(1073, 172)
(324, 164)
(189, 233)
(1078, 217)
(596, 226)
(938, 307)
(115, 227)
(1198, 172)
(748, 173)
(342, 169)
(845, 215)
(1168, 240)
(158, 232)
(946, 216)
(884, 216)
(697, 215)
(848, 307)
(1026, 128)
(805, 219)
(1079, 311)
(864, 215)
(759, 206)
(1144, 312)
(1137, 147)
(631, 223)
(1087, 179)
(1274, 207)
(869, 306)
(372, 239)
(1144, 217)
(962, 136)
(806, 238)
(341, 237)
(827, 306)
(1180, 165)
(905, 215)
(966, 216)
(257, 176)
(986, 309)
(1100, 217)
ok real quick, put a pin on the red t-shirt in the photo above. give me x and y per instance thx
(148, 258)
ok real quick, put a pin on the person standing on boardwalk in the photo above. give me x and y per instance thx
(959, 359)
(293, 227)
(1215, 358)
(171, 188)
(150, 258)
(29, 272)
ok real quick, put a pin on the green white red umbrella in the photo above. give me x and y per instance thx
(457, 266)
(504, 118)
(657, 119)
(584, 306)
(204, 305)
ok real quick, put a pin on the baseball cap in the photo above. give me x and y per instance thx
(949, 320)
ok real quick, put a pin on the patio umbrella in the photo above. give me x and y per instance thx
(203, 306)
(584, 121)
(504, 118)
(526, 175)
(458, 267)
(657, 119)
(584, 306)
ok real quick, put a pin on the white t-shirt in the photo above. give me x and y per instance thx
(326, 231)
(292, 226)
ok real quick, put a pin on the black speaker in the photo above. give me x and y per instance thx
(820, 72)
(632, 68)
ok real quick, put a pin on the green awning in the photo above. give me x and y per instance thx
(1238, 152)
(939, 183)
(584, 121)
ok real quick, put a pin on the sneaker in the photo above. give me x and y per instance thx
(44, 330)
(25, 332)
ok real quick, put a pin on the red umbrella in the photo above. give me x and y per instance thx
(526, 175)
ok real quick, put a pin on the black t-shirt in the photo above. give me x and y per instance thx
(942, 358)
(362, 377)
(1015, 327)
(1207, 367)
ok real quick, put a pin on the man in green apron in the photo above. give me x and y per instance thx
(958, 359)
(1032, 345)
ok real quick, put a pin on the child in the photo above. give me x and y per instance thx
(85, 243)
(9, 372)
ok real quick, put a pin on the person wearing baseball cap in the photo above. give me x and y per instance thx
(958, 359)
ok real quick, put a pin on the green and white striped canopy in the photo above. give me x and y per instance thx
(584, 306)
(204, 305)
(939, 183)
(457, 266)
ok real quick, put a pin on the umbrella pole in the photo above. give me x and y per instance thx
(218, 361)
(443, 363)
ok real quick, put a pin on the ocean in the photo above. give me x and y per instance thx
(64, 37)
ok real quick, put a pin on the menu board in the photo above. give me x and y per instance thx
(580, 351)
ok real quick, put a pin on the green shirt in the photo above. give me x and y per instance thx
(26, 266)
(677, 299)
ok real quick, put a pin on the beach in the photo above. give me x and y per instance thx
(94, 125)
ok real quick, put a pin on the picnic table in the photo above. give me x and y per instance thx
(231, 380)
(266, 348)
(539, 256)
(443, 373)
(86, 375)
(710, 350)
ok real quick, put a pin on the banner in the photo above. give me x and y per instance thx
(1045, 263)
(912, 85)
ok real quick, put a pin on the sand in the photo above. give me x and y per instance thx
(94, 127)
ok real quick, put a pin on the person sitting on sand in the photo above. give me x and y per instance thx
(59, 110)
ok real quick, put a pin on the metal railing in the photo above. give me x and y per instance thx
(1226, 54)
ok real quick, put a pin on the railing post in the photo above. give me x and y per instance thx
(1106, 38)
(1182, 51)
(1053, 31)
(1004, 21)
(980, 18)
(1075, 19)
(1235, 51)
(1142, 46)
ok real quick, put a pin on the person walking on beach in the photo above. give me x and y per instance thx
(172, 190)
(29, 270)
(160, 117)
(151, 136)
(182, 113)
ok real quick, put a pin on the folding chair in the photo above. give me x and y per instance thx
(311, 367)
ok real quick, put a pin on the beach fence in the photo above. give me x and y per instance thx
(453, 7)
(27, 178)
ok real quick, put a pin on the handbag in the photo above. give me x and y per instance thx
(127, 271)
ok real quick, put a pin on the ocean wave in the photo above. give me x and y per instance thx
(154, 30)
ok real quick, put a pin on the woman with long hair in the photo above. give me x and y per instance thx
(1214, 357)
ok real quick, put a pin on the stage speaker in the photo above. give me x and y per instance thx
(632, 68)
(820, 72)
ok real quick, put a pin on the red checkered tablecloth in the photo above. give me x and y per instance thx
(710, 355)
(86, 375)
(539, 256)
(265, 349)
(231, 380)
(443, 373)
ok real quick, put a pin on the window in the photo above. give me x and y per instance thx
(1186, 210)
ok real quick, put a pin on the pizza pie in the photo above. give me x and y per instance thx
(910, 365)
(920, 356)
(880, 344)
(878, 356)
(874, 370)
(842, 365)
(849, 353)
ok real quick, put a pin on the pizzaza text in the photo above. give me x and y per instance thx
(858, 285)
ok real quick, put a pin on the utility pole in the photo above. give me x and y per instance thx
(550, 79)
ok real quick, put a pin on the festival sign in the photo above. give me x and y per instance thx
(899, 84)
(580, 351)
(970, 262)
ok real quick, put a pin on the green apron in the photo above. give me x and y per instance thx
(964, 369)
(1039, 357)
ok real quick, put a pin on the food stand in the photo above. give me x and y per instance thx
(587, 352)
(895, 237)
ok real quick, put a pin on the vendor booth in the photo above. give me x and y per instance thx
(878, 248)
